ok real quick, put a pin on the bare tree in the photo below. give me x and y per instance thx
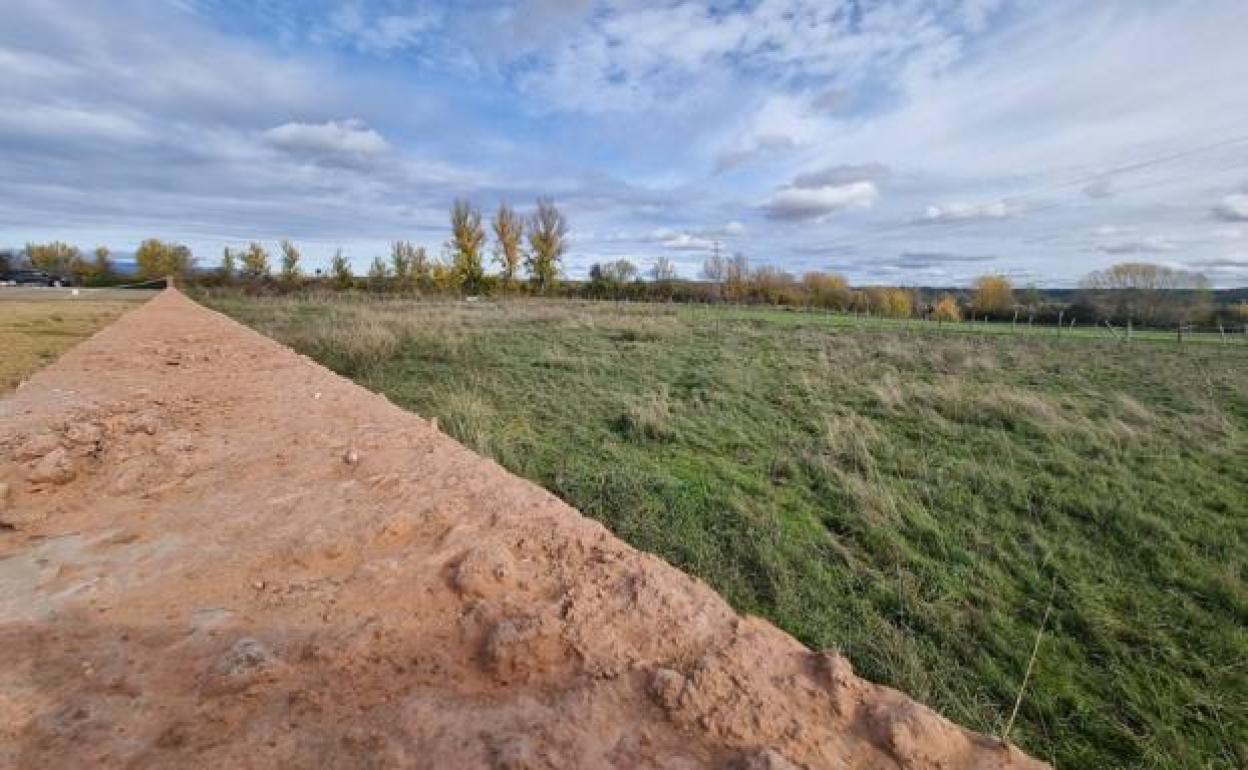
(714, 268)
(548, 242)
(737, 276)
(1148, 293)
(664, 270)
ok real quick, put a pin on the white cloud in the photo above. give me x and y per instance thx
(797, 203)
(687, 242)
(959, 212)
(1233, 208)
(335, 138)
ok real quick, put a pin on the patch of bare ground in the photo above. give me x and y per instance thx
(215, 553)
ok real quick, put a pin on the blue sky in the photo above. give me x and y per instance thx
(900, 142)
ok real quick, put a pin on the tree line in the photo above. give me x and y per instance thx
(533, 247)
(94, 269)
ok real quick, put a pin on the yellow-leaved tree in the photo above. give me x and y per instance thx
(992, 295)
(508, 235)
(156, 259)
(947, 309)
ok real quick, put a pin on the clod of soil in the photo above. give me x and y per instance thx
(192, 576)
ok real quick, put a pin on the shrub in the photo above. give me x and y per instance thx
(826, 290)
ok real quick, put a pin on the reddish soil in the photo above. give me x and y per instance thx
(215, 553)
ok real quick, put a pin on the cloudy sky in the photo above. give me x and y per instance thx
(900, 141)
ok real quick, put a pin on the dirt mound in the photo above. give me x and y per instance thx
(214, 552)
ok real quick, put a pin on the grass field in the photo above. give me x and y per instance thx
(913, 498)
(36, 326)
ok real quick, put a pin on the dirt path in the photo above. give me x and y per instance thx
(216, 553)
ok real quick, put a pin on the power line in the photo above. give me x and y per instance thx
(1021, 198)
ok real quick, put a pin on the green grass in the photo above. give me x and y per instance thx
(909, 496)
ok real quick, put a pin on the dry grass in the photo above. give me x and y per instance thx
(33, 333)
(648, 418)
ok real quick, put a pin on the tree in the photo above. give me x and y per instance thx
(228, 270)
(992, 295)
(826, 290)
(156, 259)
(82, 270)
(548, 242)
(619, 272)
(770, 284)
(255, 262)
(508, 236)
(378, 272)
(401, 259)
(290, 263)
(55, 257)
(898, 303)
(340, 269)
(420, 267)
(101, 265)
(1141, 291)
(737, 276)
(467, 238)
(947, 309)
(664, 271)
(714, 268)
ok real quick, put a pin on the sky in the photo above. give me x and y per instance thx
(904, 142)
